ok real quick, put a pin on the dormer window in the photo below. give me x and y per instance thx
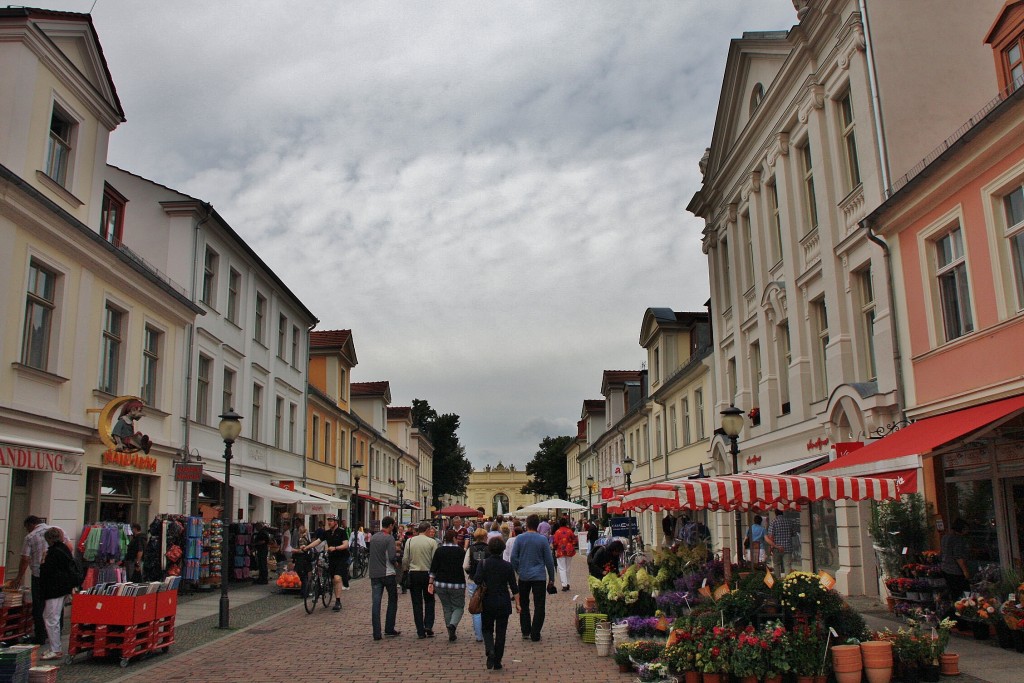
(1013, 59)
(756, 95)
(112, 215)
(60, 146)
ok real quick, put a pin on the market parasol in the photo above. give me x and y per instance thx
(554, 504)
(459, 511)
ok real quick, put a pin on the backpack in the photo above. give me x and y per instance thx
(477, 554)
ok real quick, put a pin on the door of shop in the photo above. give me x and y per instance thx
(1014, 495)
(15, 520)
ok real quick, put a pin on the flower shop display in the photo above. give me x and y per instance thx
(978, 613)
(653, 672)
(623, 656)
(714, 651)
(802, 593)
(749, 659)
(643, 651)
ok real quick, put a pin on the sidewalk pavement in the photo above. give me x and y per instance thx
(980, 660)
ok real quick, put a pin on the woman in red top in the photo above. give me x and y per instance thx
(564, 543)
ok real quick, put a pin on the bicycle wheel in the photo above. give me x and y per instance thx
(312, 592)
(326, 588)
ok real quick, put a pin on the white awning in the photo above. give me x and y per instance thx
(261, 489)
(791, 467)
(322, 497)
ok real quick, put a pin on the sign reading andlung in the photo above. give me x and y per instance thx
(40, 459)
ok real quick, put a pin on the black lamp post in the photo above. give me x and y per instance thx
(732, 424)
(400, 485)
(230, 426)
(627, 469)
(590, 495)
(357, 474)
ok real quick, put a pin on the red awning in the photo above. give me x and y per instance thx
(371, 498)
(756, 492)
(925, 435)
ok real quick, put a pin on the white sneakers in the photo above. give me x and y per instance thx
(50, 656)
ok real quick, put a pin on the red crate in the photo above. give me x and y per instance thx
(118, 610)
(166, 604)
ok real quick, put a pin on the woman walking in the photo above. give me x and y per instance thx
(564, 542)
(499, 580)
(300, 555)
(448, 581)
(58, 576)
(476, 553)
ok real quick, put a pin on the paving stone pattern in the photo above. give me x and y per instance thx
(275, 632)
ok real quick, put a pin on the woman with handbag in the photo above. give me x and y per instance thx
(448, 582)
(496, 579)
(475, 554)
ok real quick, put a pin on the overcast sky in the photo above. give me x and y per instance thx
(488, 194)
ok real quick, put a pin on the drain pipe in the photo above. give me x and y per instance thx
(894, 328)
(876, 106)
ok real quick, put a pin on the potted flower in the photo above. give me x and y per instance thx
(978, 613)
(749, 660)
(713, 653)
(802, 593)
(755, 416)
(623, 653)
(653, 671)
(780, 652)
(644, 651)
(807, 651)
(680, 659)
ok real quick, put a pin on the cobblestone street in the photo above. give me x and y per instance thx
(291, 645)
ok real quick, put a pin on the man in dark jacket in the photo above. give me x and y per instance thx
(58, 577)
(382, 571)
(606, 559)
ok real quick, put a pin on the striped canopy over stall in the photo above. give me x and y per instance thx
(756, 492)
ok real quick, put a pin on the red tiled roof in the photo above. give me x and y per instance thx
(319, 339)
(369, 388)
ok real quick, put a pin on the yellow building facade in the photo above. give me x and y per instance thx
(497, 486)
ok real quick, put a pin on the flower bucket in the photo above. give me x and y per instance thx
(692, 677)
(949, 664)
(712, 678)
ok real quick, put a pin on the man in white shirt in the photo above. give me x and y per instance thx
(32, 552)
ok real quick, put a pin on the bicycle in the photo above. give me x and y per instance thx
(360, 562)
(319, 585)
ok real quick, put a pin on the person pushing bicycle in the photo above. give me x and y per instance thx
(335, 541)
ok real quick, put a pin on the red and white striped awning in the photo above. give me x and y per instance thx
(756, 492)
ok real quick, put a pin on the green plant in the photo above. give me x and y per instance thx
(848, 623)
(646, 650)
(623, 652)
(714, 650)
(899, 524)
(680, 657)
(807, 649)
(802, 592)
(739, 607)
(749, 654)
(779, 649)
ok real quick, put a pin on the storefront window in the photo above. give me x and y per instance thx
(114, 496)
(973, 502)
(824, 536)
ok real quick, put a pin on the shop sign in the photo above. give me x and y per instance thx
(817, 444)
(188, 472)
(40, 459)
(607, 493)
(134, 460)
(288, 485)
(318, 509)
(844, 448)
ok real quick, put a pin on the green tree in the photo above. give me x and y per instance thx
(547, 469)
(451, 467)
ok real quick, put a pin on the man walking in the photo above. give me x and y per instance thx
(32, 551)
(382, 572)
(780, 539)
(335, 539)
(533, 562)
(416, 559)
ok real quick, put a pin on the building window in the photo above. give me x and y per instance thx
(257, 409)
(316, 437)
(282, 335)
(954, 290)
(820, 321)
(775, 218)
(685, 405)
(112, 215)
(756, 95)
(278, 422)
(59, 146)
(151, 338)
(810, 199)
(328, 455)
(293, 416)
(1014, 64)
(209, 291)
(849, 134)
(673, 427)
(295, 347)
(234, 284)
(1014, 205)
(785, 358)
(748, 239)
(730, 377)
(866, 290)
(698, 407)
(203, 390)
(261, 316)
(228, 394)
(657, 437)
(113, 333)
(40, 307)
(726, 275)
(755, 368)
(656, 365)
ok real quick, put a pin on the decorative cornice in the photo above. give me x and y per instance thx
(856, 44)
(814, 98)
(731, 212)
(753, 184)
(780, 147)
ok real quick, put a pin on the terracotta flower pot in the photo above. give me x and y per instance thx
(821, 678)
(949, 664)
(692, 677)
(878, 674)
(748, 679)
(712, 678)
(848, 676)
(769, 679)
(805, 679)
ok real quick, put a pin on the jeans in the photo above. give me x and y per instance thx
(495, 627)
(261, 564)
(52, 611)
(478, 619)
(422, 602)
(453, 603)
(531, 627)
(783, 561)
(38, 605)
(563, 569)
(378, 586)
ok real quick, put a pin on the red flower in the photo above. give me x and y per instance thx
(715, 651)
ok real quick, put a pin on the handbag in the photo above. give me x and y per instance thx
(405, 581)
(551, 589)
(476, 603)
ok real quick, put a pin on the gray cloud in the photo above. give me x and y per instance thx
(488, 194)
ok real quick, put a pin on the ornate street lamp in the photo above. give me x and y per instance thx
(230, 426)
(400, 485)
(732, 424)
(357, 474)
(627, 469)
(590, 494)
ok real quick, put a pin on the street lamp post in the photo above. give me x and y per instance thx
(627, 469)
(229, 428)
(732, 424)
(590, 495)
(357, 474)
(400, 485)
